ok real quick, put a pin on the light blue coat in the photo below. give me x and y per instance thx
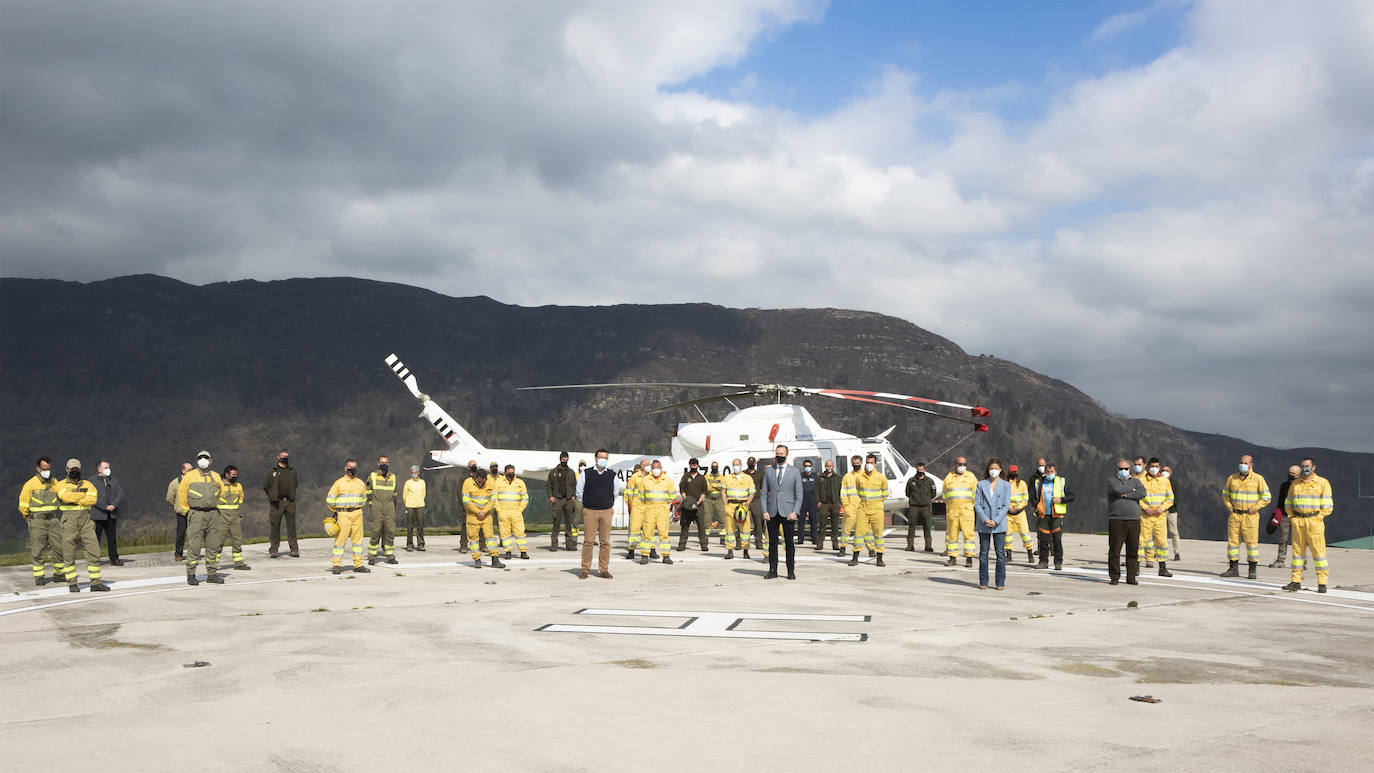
(991, 506)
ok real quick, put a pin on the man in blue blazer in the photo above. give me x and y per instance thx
(782, 498)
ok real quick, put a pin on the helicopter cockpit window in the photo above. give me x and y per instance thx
(900, 464)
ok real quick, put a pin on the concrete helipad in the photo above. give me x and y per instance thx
(701, 665)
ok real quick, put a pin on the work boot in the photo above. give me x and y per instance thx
(362, 570)
(746, 554)
(880, 560)
(968, 561)
(582, 574)
(667, 559)
(653, 553)
(820, 546)
(854, 560)
(1320, 588)
(1149, 564)
(1058, 567)
(190, 580)
(1030, 556)
(571, 546)
(705, 548)
(1278, 563)
(1293, 586)
(476, 563)
(506, 555)
(1164, 571)
(1233, 570)
(871, 553)
(392, 560)
(409, 549)
(215, 578)
(841, 553)
(524, 555)
(373, 561)
(729, 554)
(911, 544)
(929, 549)
(681, 546)
(242, 567)
(630, 554)
(99, 587)
(40, 581)
(336, 570)
(295, 554)
(1254, 574)
(643, 559)
(496, 562)
(952, 561)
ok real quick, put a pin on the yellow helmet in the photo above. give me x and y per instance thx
(741, 512)
(331, 526)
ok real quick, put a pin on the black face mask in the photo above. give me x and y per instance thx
(283, 461)
(384, 468)
(856, 467)
(510, 476)
(1013, 476)
(694, 469)
(74, 474)
(350, 471)
(234, 479)
(780, 459)
(920, 473)
(715, 470)
(472, 470)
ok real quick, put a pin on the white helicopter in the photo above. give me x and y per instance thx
(744, 432)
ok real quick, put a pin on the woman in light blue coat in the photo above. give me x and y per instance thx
(990, 504)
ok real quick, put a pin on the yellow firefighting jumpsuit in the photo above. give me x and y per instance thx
(1309, 502)
(715, 504)
(870, 493)
(737, 487)
(632, 507)
(958, 495)
(1016, 522)
(849, 500)
(75, 498)
(230, 525)
(39, 505)
(656, 495)
(1243, 496)
(196, 496)
(381, 497)
(1154, 529)
(478, 504)
(511, 499)
(346, 498)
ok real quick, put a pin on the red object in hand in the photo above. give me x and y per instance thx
(1276, 518)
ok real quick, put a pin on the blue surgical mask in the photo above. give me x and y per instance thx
(600, 464)
(1307, 470)
(1136, 468)
(1123, 474)
(1244, 468)
(1049, 476)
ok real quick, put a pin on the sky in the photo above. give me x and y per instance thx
(1167, 204)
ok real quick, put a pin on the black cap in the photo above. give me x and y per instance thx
(694, 460)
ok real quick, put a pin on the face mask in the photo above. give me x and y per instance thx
(1049, 476)
(105, 472)
(694, 468)
(960, 469)
(600, 464)
(1167, 474)
(233, 479)
(807, 468)
(994, 473)
(204, 464)
(74, 474)
(752, 462)
(644, 470)
(472, 470)
(414, 474)
(510, 476)
(1040, 469)
(45, 474)
(729, 469)
(283, 461)
(868, 467)
(920, 473)
(657, 471)
(780, 459)
(1307, 471)
(385, 468)
(855, 465)
(1291, 476)
(1155, 470)
(715, 470)
(350, 471)
(1136, 468)
(1123, 474)
(1244, 468)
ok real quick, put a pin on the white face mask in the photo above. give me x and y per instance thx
(1166, 473)
(1154, 470)
(994, 473)
(960, 469)
(204, 464)
(657, 471)
(644, 470)
(868, 467)
(105, 471)
(600, 464)
(45, 474)
(1040, 469)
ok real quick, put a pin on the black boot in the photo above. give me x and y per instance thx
(729, 554)
(1030, 556)
(362, 570)
(952, 561)
(1320, 588)
(929, 549)
(496, 563)
(653, 554)
(213, 577)
(880, 560)
(746, 554)
(1164, 571)
(855, 560)
(968, 561)
(1293, 586)
(1233, 570)
(190, 580)
(1254, 571)
(911, 544)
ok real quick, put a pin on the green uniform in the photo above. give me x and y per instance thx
(230, 521)
(381, 495)
(75, 498)
(562, 487)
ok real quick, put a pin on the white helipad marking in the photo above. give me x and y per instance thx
(718, 625)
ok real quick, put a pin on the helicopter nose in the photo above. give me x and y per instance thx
(693, 435)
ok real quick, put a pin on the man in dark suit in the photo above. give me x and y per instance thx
(782, 498)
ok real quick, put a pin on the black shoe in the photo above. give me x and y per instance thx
(1177, 557)
(496, 563)
(643, 559)
(524, 555)
(1293, 586)
(392, 560)
(653, 554)
(1320, 589)
(705, 549)
(1133, 581)
(791, 575)
(1113, 581)
(880, 560)
(506, 555)
(1164, 572)
(968, 562)
(1030, 557)
(854, 560)
(952, 561)
(336, 570)
(1233, 570)
(746, 554)
(1253, 574)
(681, 547)
(770, 575)
(840, 554)
(729, 554)
(100, 587)
(273, 555)
(667, 559)
(929, 549)
(373, 561)
(190, 580)
(242, 567)
(362, 570)
(630, 554)
(214, 578)
(295, 554)
(40, 581)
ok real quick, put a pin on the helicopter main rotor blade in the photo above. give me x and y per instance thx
(700, 401)
(638, 384)
(978, 426)
(976, 410)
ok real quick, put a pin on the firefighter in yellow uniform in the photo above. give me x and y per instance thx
(957, 493)
(656, 495)
(1016, 516)
(1243, 495)
(74, 499)
(870, 492)
(1309, 502)
(738, 488)
(1154, 518)
(198, 495)
(229, 504)
(849, 499)
(715, 501)
(512, 497)
(479, 502)
(413, 497)
(346, 498)
(632, 507)
(381, 497)
(39, 505)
